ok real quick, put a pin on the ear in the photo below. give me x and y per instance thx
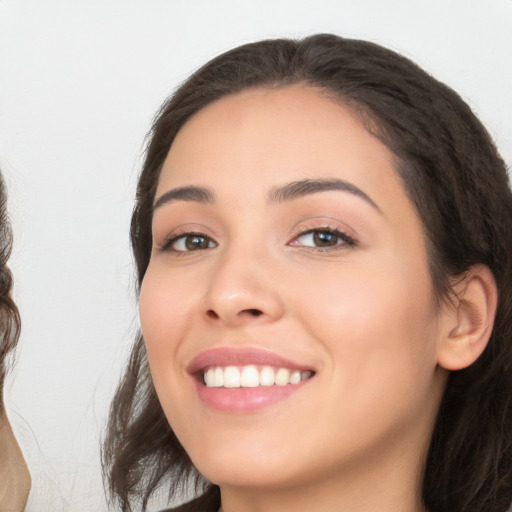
(468, 320)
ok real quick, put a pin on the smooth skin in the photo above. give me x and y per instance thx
(14, 476)
(336, 280)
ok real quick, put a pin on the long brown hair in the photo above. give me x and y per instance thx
(9, 315)
(458, 183)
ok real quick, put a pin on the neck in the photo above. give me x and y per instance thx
(14, 475)
(330, 496)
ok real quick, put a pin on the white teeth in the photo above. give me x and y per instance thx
(295, 377)
(282, 377)
(251, 377)
(267, 376)
(231, 377)
(209, 378)
(219, 378)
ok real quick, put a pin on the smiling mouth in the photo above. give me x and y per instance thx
(252, 376)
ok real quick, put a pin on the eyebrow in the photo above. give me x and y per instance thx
(188, 193)
(306, 187)
(288, 192)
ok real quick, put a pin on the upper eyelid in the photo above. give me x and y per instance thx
(301, 228)
(345, 241)
(322, 224)
(172, 238)
(182, 229)
(340, 232)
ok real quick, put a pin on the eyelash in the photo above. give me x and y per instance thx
(343, 240)
(168, 244)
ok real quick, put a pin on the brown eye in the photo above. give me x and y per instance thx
(191, 242)
(325, 238)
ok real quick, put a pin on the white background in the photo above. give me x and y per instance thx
(79, 83)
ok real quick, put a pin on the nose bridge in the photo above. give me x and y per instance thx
(241, 288)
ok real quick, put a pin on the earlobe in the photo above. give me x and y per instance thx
(469, 320)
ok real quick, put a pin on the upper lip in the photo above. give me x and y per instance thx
(224, 356)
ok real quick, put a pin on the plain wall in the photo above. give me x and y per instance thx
(80, 81)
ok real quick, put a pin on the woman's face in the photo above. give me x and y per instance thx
(289, 269)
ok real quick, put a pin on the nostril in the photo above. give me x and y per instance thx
(253, 312)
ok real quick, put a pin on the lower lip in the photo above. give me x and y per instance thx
(245, 399)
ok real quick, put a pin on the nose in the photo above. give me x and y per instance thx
(241, 290)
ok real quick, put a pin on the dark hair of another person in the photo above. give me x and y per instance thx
(9, 316)
(457, 182)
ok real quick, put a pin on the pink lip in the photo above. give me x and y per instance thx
(240, 357)
(242, 400)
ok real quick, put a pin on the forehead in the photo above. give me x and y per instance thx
(266, 136)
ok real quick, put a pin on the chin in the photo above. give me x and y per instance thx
(249, 464)
(247, 475)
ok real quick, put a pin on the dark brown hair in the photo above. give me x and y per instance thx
(9, 315)
(458, 183)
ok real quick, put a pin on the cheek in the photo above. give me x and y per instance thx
(164, 310)
(165, 307)
(378, 331)
(381, 318)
